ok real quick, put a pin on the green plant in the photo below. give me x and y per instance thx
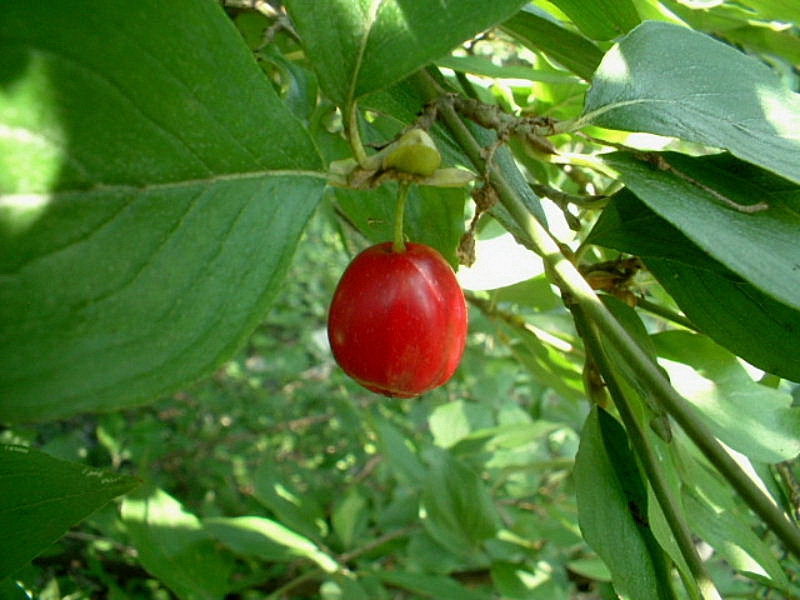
(622, 173)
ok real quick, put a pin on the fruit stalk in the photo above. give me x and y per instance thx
(399, 244)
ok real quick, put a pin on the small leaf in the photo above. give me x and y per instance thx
(612, 510)
(245, 537)
(460, 512)
(41, 497)
(431, 586)
(670, 80)
(449, 423)
(732, 538)
(268, 540)
(173, 546)
(751, 418)
(601, 19)
(484, 66)
(350, 516)
(297, 511)
(522, 582)
(571, 50)
(397, 451)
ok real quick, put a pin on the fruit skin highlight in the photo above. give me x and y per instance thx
(398, 320)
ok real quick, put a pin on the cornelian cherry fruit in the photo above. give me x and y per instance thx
(398, 320)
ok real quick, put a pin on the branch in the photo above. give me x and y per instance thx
(577, 290)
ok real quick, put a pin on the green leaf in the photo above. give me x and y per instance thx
(576, 53)
(350, 516)
(778, 10)
(729, 535)
(268, 540)
(669, 80)
(547, 363)
(431, 586)
(434, 216)
(296, 510)
(360, 46)
(612, 510)
(753, 419)
(401, 456)
(173, 546)
(41, 497)
(522, 582)
(726, 308)
(343, 587)
(459, 511)
(767, 40)
(535, 293)
(450, 423)
(246, 537)
(484, 66)
(601, 19)
(760, 247)
(146, 215)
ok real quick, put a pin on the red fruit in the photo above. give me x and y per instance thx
(398, 320)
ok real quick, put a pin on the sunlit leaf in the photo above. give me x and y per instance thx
(670, 80)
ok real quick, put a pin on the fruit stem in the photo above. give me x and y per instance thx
(399, 244)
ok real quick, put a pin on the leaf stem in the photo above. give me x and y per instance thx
(399, 244)
(577, 290)
(650, 462)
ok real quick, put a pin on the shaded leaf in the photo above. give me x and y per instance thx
(401, 456)
(139, 188)
(431, 586)
(732, 538)
(601, 19)
(294, 509)
(434, 216)
(484, 66)
(41, 497)
(174, 547)
(459, 511)
(760, 247)
(576, 53)
(725, 307)
(350, 516)
(670, 80)
(612, 510)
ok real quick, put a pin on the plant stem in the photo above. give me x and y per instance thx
(649, 459)
(299, 580)
(665, 313)
(577, 290)
(354, 136)
(399, 244)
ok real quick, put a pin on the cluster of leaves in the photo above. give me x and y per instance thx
(159, 163)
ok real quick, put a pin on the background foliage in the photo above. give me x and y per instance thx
(163, 183)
